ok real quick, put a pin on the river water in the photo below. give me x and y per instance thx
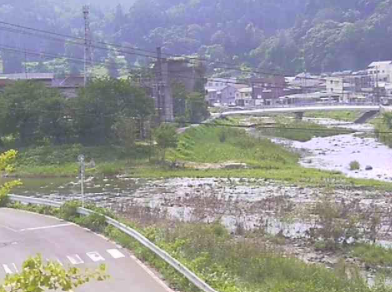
(336, 152)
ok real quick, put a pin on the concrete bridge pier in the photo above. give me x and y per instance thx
(299, 116)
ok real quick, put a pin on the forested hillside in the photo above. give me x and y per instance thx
(289, 35)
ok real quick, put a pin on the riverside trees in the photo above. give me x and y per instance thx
(31, 114)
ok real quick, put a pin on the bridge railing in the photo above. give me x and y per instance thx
(192, 277)
(303, 105)
(324, 104)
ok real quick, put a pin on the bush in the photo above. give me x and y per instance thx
(95, 222)
(354, 165)
(68, 211)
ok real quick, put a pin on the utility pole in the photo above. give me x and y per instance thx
(81, 160)
(88, 52)
(160, 88)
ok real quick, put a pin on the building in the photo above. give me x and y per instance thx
(244, 97)
(307, 82)
(380, 71)
(45, 78)
(221, 91)
(267, 90)
(68, 86)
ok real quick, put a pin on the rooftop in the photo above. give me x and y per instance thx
(27, 76)
(381, 63)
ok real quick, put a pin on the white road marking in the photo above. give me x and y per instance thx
(9, 228)
(60, 263)
(16, 269)
(75, 259)
(7, 269)
(47, 227)
(95, 256)
(148, 271)
(115, 253)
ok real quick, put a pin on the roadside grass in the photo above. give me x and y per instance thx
(225, 262)
(373, 255)
(345, 116)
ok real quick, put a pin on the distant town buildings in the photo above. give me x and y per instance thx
(372, 85)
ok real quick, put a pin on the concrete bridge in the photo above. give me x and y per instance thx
(369, 109)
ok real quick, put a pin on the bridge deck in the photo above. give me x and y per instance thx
(304, 109)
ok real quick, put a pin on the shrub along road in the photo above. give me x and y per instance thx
(25, 234)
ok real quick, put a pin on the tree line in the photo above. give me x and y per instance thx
(312, 35)
(107, 111)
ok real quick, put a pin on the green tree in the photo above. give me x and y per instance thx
(125, 130)
(196, 108)
(7, 160)
(39, 276)
(102, 102)
(166, 137)
(32, 112)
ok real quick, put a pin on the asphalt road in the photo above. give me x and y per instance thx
(25, 234)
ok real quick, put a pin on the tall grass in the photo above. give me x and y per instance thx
(205, 144)
(301, 131)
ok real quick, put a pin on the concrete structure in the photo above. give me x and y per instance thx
(298, 109)
(380, 71)
(176, 70)
(25, 234)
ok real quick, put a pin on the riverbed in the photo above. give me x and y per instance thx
(336, 152)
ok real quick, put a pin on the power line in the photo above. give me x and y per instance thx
(191, 59)
(80, 60)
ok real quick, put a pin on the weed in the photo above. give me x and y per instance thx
(354, 165)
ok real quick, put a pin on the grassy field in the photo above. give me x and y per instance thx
(204, 144)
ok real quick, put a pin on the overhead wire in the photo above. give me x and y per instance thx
(191, 59)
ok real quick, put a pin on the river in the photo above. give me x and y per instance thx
(336, 152)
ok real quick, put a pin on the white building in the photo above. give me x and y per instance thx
(245, 97)
(380, 71)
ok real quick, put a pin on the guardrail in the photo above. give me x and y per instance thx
(192, 277)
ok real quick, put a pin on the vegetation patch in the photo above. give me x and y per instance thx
(300, 130)
(354, 165)
(373, 255)
(344, 116)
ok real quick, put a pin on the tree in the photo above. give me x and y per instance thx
(166, 137)
(32, 112)
(196, 108)
(39, 276)
(101, 103)
(6, 164)
(125, 130)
